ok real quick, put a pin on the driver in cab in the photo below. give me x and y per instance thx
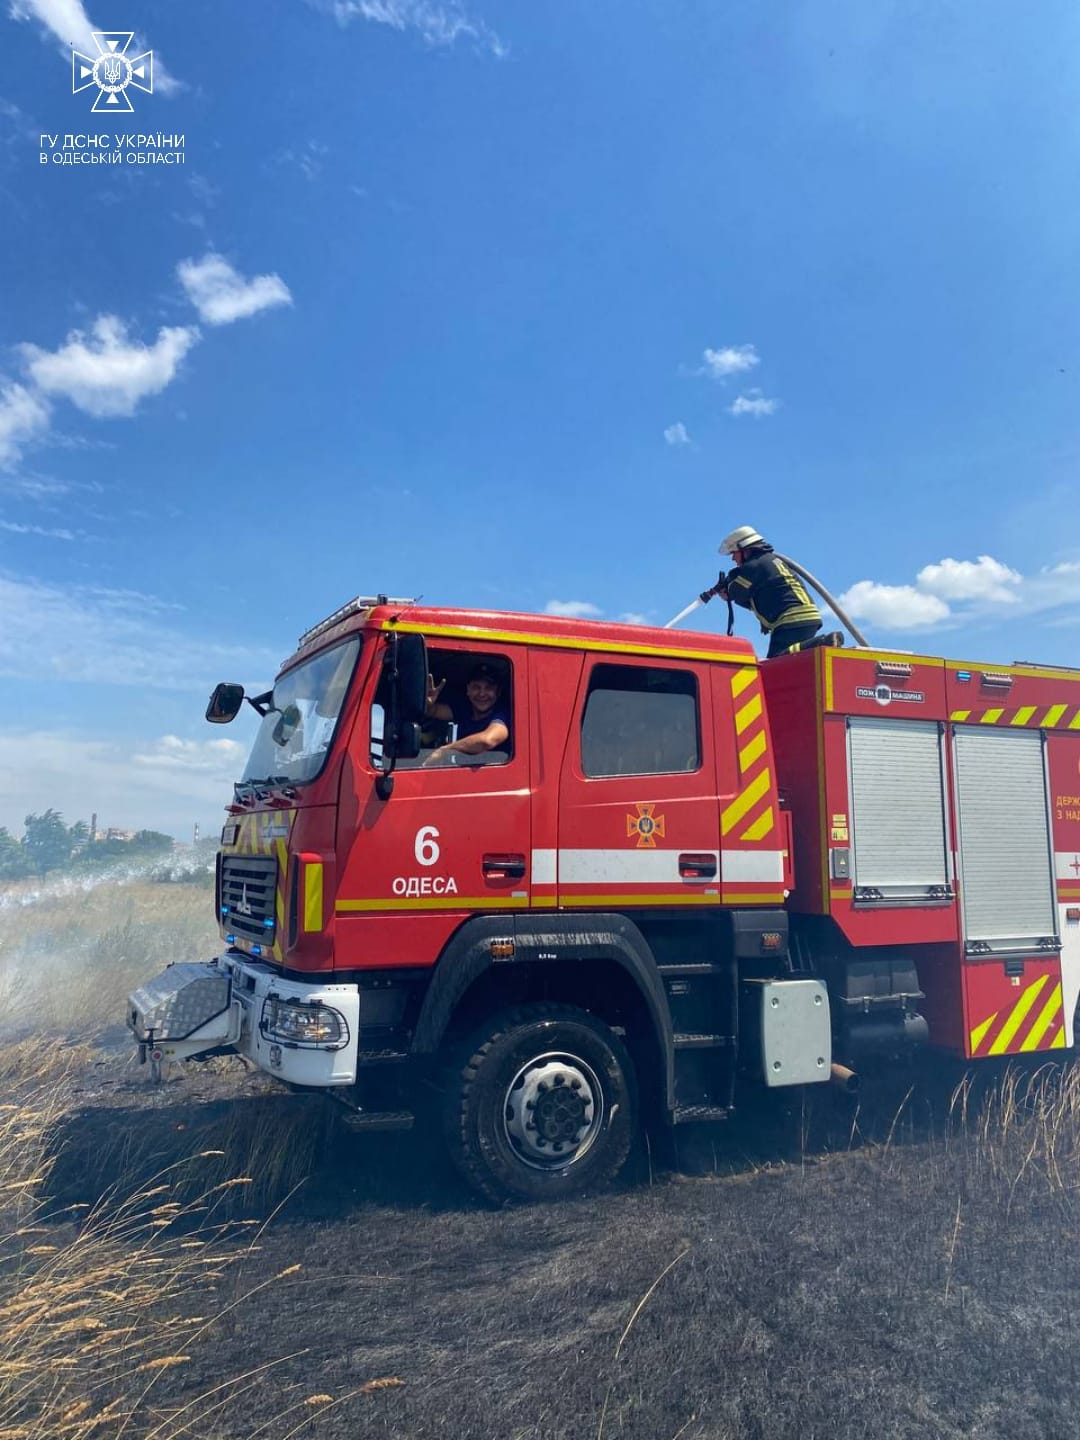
(482, 716)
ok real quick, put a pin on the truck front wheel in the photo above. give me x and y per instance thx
(540, 1104)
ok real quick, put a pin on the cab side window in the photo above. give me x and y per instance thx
(640, 720)
(469, 692)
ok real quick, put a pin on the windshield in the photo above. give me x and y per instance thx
(296, 732)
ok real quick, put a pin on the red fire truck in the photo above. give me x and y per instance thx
(682, 873)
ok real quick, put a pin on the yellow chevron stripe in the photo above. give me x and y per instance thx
(980, 1030)
(1023, 715)
(1053, 715)
(1018, 1016)
(751, 751)
(1046, 1018)
(758, 787)
(1058, 1042)
(959, 714)
(761, 827)
(740, 680)
(992, 716)
(748, 714)
(1074, 723)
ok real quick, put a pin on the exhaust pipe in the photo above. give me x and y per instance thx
(846, 1079)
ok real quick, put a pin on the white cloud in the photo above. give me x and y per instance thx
(23, 416)
(152, 784)
(213, 757)
(572, 609)
(981, 579)
(14, 528)
(94, 635)
(893, 607)
(677, 434)
(632, 617)
(222, 295)
(957, 590)
(753, 403)
(731, 360)
(437, 24)
(68, 21)
(1052, 588)
(103, 372)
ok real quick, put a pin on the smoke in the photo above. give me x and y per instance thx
(187, 866)
(73, 946)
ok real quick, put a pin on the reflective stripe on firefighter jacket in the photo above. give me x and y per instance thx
(771, 590)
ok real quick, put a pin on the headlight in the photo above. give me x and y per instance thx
(298, 1023)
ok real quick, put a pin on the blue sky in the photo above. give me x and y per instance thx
(518, 306)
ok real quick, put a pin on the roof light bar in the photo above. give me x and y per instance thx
(361, 602)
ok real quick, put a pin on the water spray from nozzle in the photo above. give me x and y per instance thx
(694, 605)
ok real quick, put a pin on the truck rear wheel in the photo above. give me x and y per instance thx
(540, 1104)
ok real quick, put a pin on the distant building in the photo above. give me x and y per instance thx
(97, 836)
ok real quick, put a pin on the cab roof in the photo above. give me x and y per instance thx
(521, 628)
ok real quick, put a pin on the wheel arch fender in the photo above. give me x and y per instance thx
(541, 941)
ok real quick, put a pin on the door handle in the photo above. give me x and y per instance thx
(697, 867)
(504, 867)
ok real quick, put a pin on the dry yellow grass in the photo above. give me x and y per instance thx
(77, 1310)
(96, 1304)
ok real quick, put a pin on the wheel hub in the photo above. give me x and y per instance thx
(553, 1110)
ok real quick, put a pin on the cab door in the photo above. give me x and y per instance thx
(452, 840)
(639, 819)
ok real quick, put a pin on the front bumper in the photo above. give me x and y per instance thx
(231, 1002)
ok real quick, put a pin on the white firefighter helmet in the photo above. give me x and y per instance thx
(739, 539)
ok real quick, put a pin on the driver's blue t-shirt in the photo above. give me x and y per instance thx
(468, 725)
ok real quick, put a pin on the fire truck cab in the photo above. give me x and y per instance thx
(678, 873)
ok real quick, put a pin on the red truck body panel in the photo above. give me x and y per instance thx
(769, 808)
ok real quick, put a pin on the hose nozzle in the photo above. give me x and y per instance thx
(720, 588)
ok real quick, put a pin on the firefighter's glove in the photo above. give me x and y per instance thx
(720, 588)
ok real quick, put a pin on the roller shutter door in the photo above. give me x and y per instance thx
(1004, 837)
(898, 810)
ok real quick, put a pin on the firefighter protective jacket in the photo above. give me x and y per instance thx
(766, 586)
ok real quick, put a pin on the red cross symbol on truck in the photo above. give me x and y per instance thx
(1075, 865)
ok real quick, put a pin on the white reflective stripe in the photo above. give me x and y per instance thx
(1067, 865)
(621, 867)
(651, 867)
(543, 867)
(744, 865)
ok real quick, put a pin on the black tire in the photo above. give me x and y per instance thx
(584, 1103)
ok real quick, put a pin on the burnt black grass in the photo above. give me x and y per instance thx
(896, 1268)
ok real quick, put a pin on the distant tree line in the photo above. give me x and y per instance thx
(47, 844)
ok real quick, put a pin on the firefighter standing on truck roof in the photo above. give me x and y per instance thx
(764, 584)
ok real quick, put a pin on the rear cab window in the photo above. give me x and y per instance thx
(640, 720)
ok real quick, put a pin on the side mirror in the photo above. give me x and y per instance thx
(224, 703)
(412, 675)
(408, 741)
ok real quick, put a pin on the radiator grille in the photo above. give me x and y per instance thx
(248, 891)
